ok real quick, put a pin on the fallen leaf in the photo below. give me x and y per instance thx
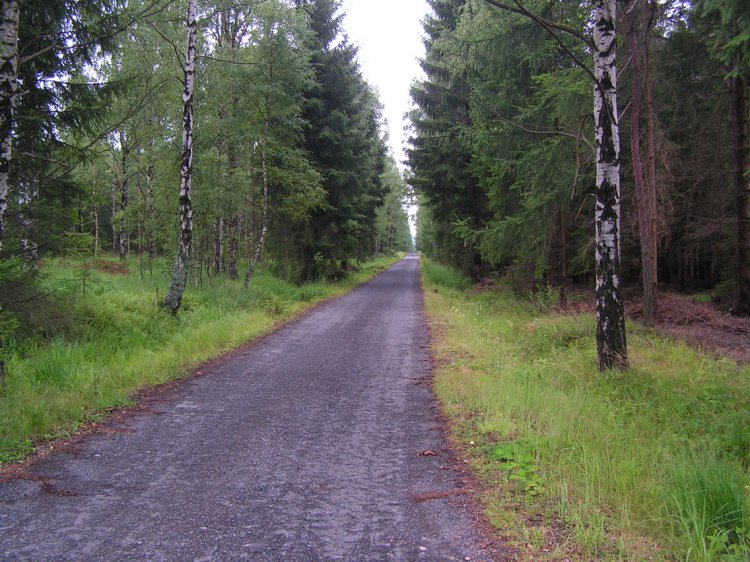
(428, 453)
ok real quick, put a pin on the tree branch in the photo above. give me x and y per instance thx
(536, 131)
(58, 45)
(519, 9)
(550, 26)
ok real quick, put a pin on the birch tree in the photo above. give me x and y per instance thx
(180, 271)
(8, 92)
(124, 194)
(264, 225)
(610, 309)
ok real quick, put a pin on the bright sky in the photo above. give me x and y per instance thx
(389, 36)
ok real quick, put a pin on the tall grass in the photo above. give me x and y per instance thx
(652, 462)
(447, 277)
(121, 340)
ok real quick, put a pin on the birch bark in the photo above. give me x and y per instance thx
(233, 226)
(150, 208)
(180, 271)
(124, 197)
(610, 310)
(8, 92)
(264, 227)
(114, 203)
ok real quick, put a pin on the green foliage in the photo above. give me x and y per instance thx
(520, 466)
(445, 276)
(125, 341)
(502, 152)
(545, 298)
(711, 502)
(391, 222)
(658, 455)
(343, 141)
(513, 105)
(440, 153)
(731, 36)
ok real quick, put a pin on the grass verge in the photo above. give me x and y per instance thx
(117, 340)
(647, 464)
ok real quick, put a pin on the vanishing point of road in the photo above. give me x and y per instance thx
(303, 446)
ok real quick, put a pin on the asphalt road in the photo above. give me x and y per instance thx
(305, 446)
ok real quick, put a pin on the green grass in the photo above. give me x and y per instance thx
(120, 340)
(650, 463)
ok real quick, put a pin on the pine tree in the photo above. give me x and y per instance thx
(732, 47)
(440, 156)
(343, 141)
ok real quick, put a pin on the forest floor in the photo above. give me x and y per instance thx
(706, 326)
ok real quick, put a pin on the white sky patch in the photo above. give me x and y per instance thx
(389, 36)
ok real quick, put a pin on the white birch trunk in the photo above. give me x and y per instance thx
(180, 272)
(124, 198)
(26, 189)
(150, 207)
(95, 213)
(610, 313)
(115, 181)
(8, 92)
(264, 227)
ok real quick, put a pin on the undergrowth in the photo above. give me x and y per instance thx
(114, 338)
(651, 463)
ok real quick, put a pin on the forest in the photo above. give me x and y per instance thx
(227, 134)
(511, 168)
(181, 177)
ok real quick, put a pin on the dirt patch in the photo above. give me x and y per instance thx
(703, 325)
(111, 267)
(484, 284)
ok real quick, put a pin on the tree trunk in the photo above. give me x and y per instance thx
(150, 209)
(610, 310)
(264, 227)
(234, 227)
(27, 189)
(180, 271)
(114, 205)
(8, 91)
(738, 90)
(218, 248)
(563, 271)
(650, 269)
(122, 241)
(643, 182)
(96, 231)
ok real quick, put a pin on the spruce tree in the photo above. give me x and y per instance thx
(343, 140)
(440, 155)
